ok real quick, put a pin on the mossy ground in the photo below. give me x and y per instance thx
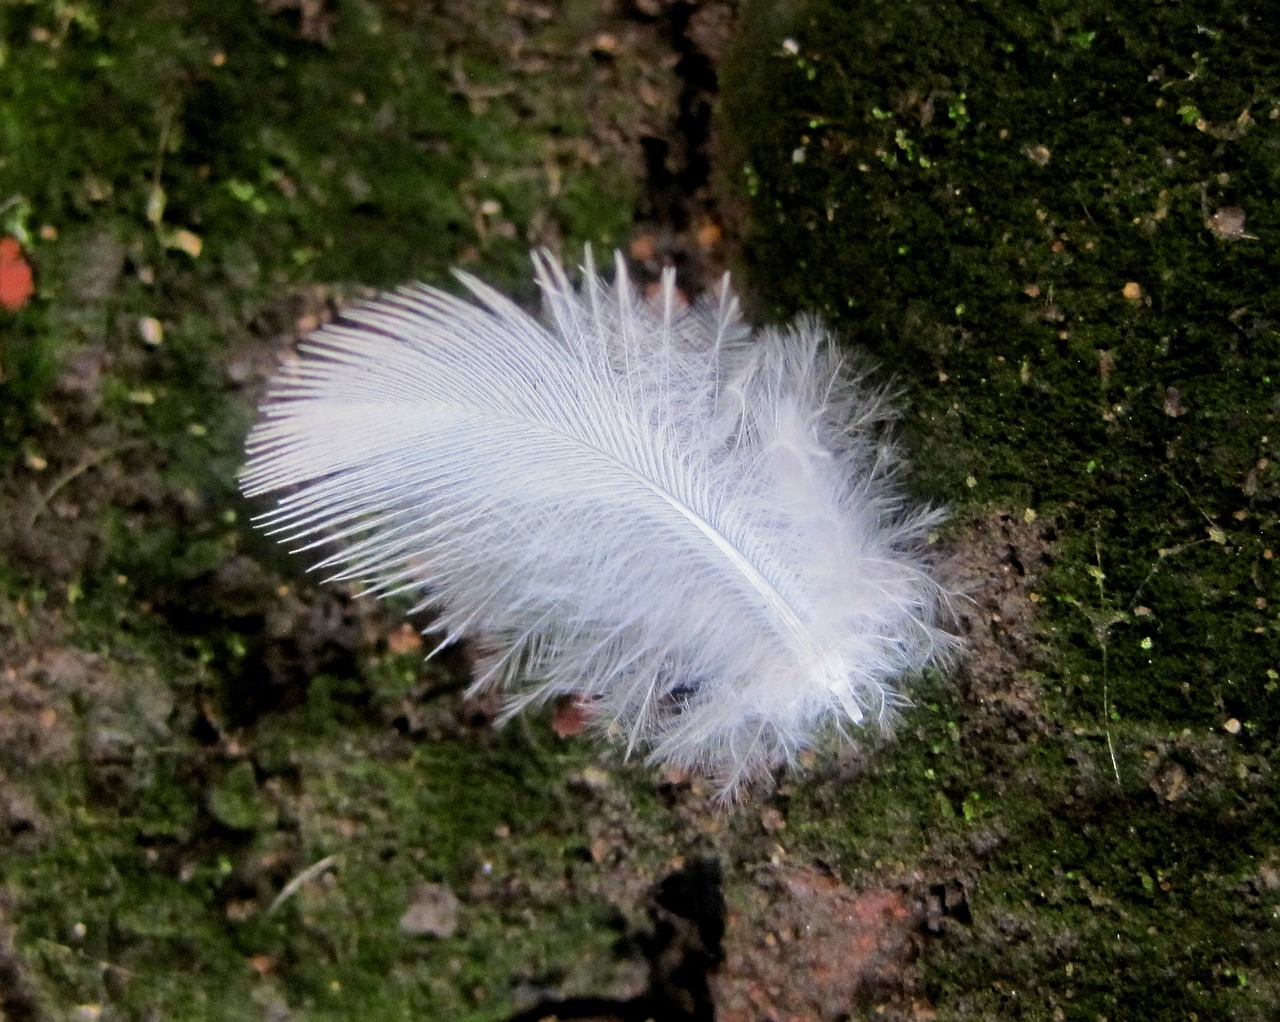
(1086, 812)
(186, 723)
(1057, 224)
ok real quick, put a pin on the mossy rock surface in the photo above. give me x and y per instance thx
(187, 723)
(222, 786)
(1055, 225)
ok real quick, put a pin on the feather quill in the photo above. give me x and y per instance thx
(695, 529)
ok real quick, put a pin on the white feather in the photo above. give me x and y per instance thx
(694, 529)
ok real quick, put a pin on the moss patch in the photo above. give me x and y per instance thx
(186, 723)
(1057, 227)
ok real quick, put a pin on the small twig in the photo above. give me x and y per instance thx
(66, 951)
(1161, 557)
(1106, 715)
(306, 876)
(1103, 639)
(73, 473)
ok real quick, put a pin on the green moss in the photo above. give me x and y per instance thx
(147, 889)
(235, 801)
(967, 190)
(190, 167)
(192, 163)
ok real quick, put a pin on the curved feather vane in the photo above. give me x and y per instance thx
(692, 528)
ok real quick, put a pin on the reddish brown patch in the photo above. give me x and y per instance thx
(17, 282)
(263, 965)
(404, 639)
(817, 951)
(571, 717)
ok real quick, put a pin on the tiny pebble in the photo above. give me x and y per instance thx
(150, 330)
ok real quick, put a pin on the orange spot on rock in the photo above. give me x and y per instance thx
(17, 282)
(262, 964)
(404, 639)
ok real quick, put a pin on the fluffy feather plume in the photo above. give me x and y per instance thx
(693, 529)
